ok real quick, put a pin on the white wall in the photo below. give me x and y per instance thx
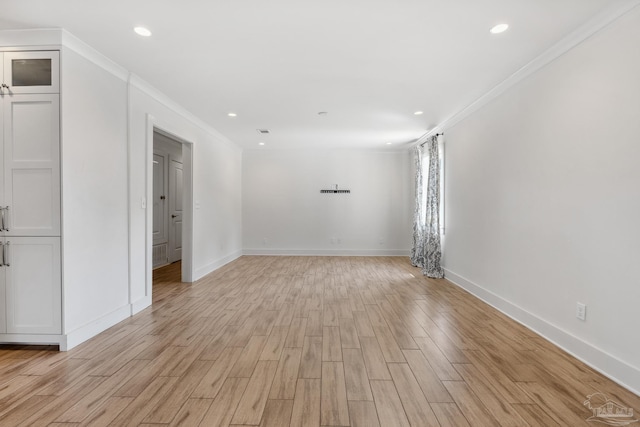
(217, 229)
(107, 159)
(107, 119)
(282, 202)
(94, 189)
(543, 200)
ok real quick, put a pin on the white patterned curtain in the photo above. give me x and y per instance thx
(419, 214)
(426, 251)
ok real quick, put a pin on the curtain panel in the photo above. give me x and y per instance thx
(419, 216)
(426, 251)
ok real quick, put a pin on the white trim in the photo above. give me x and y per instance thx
(93, 328)
(211, 267)
(187, 147)
(32, 339)
(129, 204)
(141, 304)
(89, 53)
(30, 39)
(163, 99)
(579, 35)
(150, 123)
(188, 242)
(327, 252)
(56, 38)
(621, 372)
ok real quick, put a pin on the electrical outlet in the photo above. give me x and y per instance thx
(581, 311)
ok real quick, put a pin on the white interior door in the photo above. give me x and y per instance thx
(160, 222)
(176, 180)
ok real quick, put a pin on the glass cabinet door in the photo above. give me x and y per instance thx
(31, 72)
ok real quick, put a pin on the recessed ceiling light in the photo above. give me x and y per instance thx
(500, 28)
(232, 114)
(142, 31)
(260, 143)
(388, 143)
(418, 113)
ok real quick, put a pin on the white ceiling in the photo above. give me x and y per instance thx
(276, 63)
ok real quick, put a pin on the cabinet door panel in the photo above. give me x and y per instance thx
(3, 293)
(32, 72)
(31, 126)
(32, 165)
(32, 203)
(33, 285)
(2, 136)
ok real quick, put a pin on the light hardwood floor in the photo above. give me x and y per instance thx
(304, 341)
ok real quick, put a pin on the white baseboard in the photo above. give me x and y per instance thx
(141, 304)
(626, 375)
(90, 330)
(327, 252)
(209, 268)
(31, 339)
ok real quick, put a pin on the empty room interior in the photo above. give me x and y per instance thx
(300, 213)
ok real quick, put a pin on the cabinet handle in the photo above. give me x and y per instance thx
(4, 218)
(6, 254)
(2, 250)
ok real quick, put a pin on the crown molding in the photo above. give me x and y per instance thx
(83, 49)
(161, 97)
(58, 37)
(597, 23)
(43, 38)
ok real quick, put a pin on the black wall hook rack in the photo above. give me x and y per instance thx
(335, 191)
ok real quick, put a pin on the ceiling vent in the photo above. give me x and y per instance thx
(263, 131)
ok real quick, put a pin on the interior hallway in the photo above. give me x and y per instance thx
(331, 341)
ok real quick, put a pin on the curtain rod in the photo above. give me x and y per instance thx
(437, 135)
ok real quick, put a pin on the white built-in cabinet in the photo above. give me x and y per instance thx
(30, 265)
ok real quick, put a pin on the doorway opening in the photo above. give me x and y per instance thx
(175, 154)
(167, 202)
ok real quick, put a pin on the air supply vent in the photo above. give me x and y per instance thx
(263, 131)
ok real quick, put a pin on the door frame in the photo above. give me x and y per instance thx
(154, 124)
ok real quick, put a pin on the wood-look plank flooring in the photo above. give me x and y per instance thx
(304, 341)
